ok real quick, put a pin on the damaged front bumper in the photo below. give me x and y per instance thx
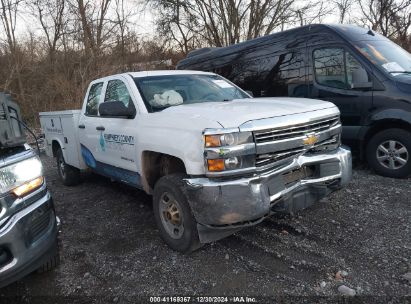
(222, 207)
(28, 239)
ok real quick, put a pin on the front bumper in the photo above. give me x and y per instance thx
(225, 206)
(28, 240)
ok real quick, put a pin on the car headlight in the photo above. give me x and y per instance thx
(228, 139)
(229, 151)
(22, 178)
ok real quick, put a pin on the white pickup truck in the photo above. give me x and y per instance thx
(214, 159)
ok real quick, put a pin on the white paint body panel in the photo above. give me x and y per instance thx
(62, 126)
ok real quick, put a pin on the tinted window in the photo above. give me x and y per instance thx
(271, 73)
(286, 76)
(93, 99)
(336, 68)
(117, 91)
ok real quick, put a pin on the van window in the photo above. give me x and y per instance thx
(386, 54)
(93, 99)
(336, 68)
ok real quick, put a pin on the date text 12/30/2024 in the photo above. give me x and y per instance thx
(200, 299)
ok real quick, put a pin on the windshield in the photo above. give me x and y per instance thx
(388, 55)
(160, 92)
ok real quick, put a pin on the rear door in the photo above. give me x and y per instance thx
(333, 72)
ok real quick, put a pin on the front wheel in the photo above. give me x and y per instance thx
(173, 215)
(69, 175)
(389, 153)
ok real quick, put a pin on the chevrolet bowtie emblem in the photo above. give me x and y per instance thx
(310, 140)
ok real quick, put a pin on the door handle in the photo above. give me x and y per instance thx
(100, 128)
(81, 126)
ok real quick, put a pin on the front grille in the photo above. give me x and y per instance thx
(39, 223)
(277, 146)
(268, 158)
(295, 131)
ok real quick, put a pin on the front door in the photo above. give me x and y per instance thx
(335, 74)
(117, 134)
(108, 145)
(89, 119)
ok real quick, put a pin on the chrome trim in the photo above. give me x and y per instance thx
(295, 142)
(22, 213)
(223, 202)
(289, 120)
(343, 154)
(334, 119)
(18, 201)
(304, 182)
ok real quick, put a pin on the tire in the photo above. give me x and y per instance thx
(52, 263)
(173, 215)
(389, 153)
(69, 175)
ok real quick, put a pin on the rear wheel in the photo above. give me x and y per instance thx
(173, 215)
(389, 153)
(69, 175)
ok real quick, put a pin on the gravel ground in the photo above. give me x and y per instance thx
(359, 237)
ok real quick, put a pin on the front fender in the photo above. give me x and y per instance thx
(386, 115)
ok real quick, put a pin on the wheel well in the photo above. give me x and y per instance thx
(383, 125)
(156, 165)
(55, 146)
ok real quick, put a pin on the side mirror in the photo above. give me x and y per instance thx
(361, 85)
(250, 93)
(116, 109)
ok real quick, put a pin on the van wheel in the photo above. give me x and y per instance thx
(69, 175)
(173, 215)
(389, 153)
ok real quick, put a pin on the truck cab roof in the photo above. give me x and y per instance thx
(157, 73)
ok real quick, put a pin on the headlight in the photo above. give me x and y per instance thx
(229, 151)
(22, 178)
(228, 139)
(231, 163)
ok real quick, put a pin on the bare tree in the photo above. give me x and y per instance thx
(51, 15)
(344, 7)
(95, 26)
(220, 22)
(310, 12)
(391, 18)
(8, 16)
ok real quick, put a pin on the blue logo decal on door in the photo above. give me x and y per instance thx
(102, 142)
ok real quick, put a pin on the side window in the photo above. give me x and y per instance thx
(117, 91)
(93, 99)
(336, 68)
(329, 67)
(355, 71)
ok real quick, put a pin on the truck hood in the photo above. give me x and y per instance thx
(232, 114)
